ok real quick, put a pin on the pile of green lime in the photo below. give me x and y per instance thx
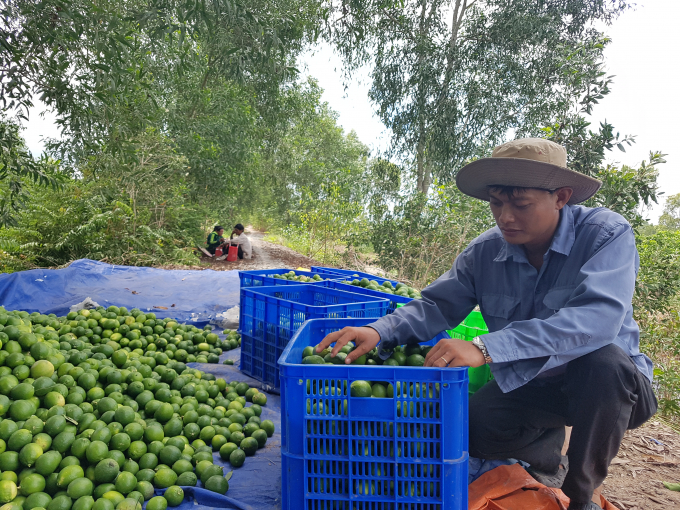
(91, 424)
(294, 277)
(401, 289)
(134, 329)
(403, 355)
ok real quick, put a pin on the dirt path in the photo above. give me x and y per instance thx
(266, 255)
(648, 456)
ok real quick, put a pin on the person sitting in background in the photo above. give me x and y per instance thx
(215, 239)
(238, 238)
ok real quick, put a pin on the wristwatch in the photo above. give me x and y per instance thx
(478, 342)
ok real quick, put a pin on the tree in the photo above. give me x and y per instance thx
(17, 167)
(670, 219)
(453, 77)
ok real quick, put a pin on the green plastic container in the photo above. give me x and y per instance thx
(473, 326)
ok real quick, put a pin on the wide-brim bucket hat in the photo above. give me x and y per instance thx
(526, 163)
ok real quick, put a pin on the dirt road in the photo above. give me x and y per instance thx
(266, 255)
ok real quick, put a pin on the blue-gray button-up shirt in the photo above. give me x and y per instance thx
(538, 321)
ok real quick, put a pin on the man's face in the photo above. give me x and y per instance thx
(220, 232)
(529, 216)
(238, 232)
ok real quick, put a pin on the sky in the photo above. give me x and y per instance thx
(644, 56)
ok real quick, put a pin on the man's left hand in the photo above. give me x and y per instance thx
(454, 353)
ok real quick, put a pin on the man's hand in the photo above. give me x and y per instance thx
(454, 353)
(364, 340)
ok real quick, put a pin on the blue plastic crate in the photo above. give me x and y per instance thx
(264, 277)
(395, 300)
(343, 452)
(350, 275)
(271, 315)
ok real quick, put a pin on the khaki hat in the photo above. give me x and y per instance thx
(526, 163)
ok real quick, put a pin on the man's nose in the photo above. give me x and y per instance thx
(506, 215)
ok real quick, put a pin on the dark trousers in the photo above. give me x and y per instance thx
(601, 394)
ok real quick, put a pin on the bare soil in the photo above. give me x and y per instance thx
(266, 255)
(648, 456)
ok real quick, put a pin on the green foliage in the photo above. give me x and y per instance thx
(18, 166)
(660, 340)
(421, 237)
(658, 281)
(670, 219)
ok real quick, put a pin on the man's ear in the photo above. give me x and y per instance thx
(563, 196)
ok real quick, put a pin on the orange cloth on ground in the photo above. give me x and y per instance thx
(512, 488)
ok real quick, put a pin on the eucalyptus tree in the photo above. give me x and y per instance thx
(451, 78)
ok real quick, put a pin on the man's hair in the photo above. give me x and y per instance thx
(239, 227)
(512, 191)
(218, 228)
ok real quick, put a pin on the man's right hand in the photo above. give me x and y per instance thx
(364, 340)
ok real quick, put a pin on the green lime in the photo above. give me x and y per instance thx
(120, 442)
(415, 360)
(379, 391)
(126, 482)
(106, 471)
(268, 427)
(361, 389)
(29, 454)
(80, 487)
(8, 491)
(84, 503)
(114, 497)
(249, 445)
(145, 475)
(125, 415)
(103, 504)
(164, 477)
(137, 450)
(42, 368)
(48, 462)
(96, 452)
(237, 458)
(217, 484)
(61, 502)
(260, 399)
(174, 495)
(68, 474)
(63, 441)
(19, 439)
(157, 503)
(37, 500)
(164, 412)
(32, 483)
(187, 479)
(260, 436)
(146, 489)
(102, 489)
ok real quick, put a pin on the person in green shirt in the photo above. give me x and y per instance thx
(215, 239)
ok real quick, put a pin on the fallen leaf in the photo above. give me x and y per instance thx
(161, 307)
(672, 486)
(172, 306)
(135, 292)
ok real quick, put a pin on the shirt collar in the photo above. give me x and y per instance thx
(562, 242)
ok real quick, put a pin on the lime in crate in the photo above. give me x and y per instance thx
(404, 447)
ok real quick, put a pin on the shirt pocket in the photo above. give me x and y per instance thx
(499, 308)
(555, 299)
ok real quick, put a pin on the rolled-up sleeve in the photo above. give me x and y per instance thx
(444, 305)
(586, 319)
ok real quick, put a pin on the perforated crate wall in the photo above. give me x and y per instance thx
(344, 452)
(270, 316)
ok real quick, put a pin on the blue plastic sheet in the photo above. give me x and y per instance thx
(195, 296)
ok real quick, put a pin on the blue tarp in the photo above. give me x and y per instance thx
(185, 295)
